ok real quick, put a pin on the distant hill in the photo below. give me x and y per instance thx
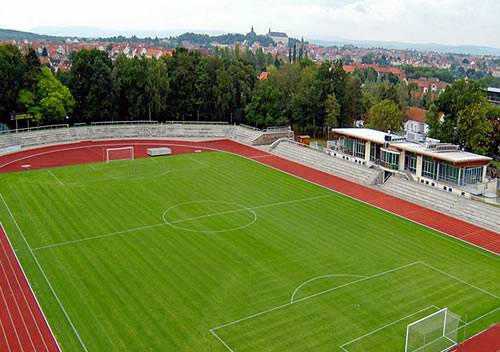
(9, 34)
(204, 39)
(457, 49)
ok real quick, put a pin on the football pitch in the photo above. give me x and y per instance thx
(213, 252)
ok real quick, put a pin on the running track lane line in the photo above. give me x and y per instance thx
(80, 152)
(37, 335)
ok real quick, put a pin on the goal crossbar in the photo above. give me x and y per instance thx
(120, 153)
(444, 326)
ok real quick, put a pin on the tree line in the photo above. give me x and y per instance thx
(188, 86)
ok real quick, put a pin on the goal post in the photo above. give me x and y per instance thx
(436, 332)
(122, 153)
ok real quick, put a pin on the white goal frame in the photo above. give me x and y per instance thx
(443, 327)
(110, 150)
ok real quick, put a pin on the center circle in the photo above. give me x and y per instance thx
(209, 216)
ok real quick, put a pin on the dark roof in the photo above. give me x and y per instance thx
(278, 34)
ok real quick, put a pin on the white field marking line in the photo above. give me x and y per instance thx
(117, 233)
(459, 328)
(242, 208)
(221, 340)
(82, 344)
(187, 156)
(141, 161)
(460, 280)
(261, 156)
(11, 291)
(11, 320)
(387, 325)
(135, 178)
(461, 242)
(55, 177)
(448, 237)
(154, 142)
(111, 234)
(5, 250)
(373, 276)
(31, 289)
(426, 344)
(319, 278)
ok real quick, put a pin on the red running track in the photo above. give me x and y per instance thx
(487, 341)
(23, 327)
(94, 151)
(23, 324)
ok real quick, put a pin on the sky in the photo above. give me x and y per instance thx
(455, 22)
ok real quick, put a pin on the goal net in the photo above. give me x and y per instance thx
(434, 333)
(123, 153)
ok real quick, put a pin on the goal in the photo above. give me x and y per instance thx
(436, 332)
(123, 153)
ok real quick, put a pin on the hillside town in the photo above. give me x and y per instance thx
(278, 44)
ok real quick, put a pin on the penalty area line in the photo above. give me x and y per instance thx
(252, 316)
(387, 325)
(55, 177)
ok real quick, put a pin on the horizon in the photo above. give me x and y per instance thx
(449, 23)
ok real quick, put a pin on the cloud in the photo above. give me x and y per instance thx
(443, 21)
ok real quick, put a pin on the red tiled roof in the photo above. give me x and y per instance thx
(380, 69)
(263, 76)
(416, 114)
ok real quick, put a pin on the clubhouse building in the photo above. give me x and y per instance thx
(422, 159)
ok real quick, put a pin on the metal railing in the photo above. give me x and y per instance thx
(195, 123)
(119, 123)
(250, 127)
(277, 129)
(38, 128)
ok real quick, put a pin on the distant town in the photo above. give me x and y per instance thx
(55, 51)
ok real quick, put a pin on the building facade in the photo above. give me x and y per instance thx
(429, 162)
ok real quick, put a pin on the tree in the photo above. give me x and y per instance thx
(353, 101)
(385, 116)
(432, 118)
(306, 108)
(50, 102)
(91, 84)
(12, 73)
(266, 107)
(332, 111)
(494, 136)
(224, 92)
(455, 99)
(182, 69)
(474, 128)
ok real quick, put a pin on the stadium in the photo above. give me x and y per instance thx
(195, 236)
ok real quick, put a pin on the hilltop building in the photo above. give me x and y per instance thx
(279, 38)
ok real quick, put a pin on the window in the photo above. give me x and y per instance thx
(448, 172)
(390, 159)
(411, 162)
(359, 148)
(353, 146)
(429, 167)
(472, 175)
(375, 152)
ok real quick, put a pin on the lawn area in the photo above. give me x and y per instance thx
(214, 252)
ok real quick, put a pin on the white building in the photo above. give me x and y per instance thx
(429, 162)
(415, 121)
(279, 38)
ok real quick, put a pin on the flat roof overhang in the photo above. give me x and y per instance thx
(455, 157)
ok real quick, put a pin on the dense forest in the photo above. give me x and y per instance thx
(225, 87)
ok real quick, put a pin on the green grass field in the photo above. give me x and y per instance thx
(213, 252)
